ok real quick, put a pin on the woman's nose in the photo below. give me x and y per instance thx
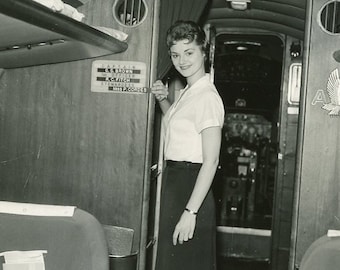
(181, 59)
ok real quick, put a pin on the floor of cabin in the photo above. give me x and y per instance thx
(232, 263)
(224, 263)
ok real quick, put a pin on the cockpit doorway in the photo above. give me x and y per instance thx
(248, 75)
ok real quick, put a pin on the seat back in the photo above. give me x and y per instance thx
(323, 254)
(74, 242)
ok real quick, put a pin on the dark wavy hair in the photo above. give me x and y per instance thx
(186, 30)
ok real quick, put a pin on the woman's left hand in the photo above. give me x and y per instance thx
(184, 229)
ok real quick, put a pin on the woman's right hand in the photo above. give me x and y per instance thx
(159, 90)
(185, 228)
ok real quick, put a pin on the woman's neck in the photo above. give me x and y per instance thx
(191, 80)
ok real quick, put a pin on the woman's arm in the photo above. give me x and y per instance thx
(161, 93)
(211, 141)
(164, 105)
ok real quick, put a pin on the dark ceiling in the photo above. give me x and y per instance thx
(248, 69)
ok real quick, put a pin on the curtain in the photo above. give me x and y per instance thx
(171, 11)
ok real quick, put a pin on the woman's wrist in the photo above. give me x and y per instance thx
(190, 211)
(162, 99)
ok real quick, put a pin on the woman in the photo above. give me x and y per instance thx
(191, 149)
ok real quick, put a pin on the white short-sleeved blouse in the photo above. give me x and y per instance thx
(197, 108)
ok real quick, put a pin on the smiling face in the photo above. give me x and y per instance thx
(188, 59)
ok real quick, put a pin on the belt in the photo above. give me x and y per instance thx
(182, 164)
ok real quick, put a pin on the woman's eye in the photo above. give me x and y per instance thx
(174, 56)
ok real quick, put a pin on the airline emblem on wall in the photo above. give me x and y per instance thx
(332, 103)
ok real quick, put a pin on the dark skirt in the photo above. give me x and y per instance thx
(198, 253)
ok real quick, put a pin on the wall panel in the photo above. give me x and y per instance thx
(318, 202)
(284, 186)
(63, 144)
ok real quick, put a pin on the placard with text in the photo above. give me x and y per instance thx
(110, 76)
